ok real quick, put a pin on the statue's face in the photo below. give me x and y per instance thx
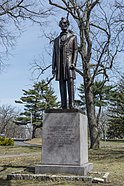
(64, 25)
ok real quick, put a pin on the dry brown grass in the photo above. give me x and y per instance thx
(110, 158)
(35, 141)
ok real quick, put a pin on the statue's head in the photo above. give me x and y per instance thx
(64, 24)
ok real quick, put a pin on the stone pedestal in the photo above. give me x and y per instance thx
(64, 143)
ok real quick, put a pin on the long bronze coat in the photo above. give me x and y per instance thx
(69, 57)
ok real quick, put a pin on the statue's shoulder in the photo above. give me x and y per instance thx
(71, 33)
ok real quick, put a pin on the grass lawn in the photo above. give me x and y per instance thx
(109, 158)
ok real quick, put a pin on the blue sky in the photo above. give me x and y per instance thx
(17, 75)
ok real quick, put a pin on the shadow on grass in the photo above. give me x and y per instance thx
(106, 154)
(116, 141)
(32, 147)
(8, 169)
(4, 182)
(4, 168)
(30, 169)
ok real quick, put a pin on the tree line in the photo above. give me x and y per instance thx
(108, 101)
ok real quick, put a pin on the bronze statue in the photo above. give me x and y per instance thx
(64, 62)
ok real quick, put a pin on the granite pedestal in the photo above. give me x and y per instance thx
(64, 143)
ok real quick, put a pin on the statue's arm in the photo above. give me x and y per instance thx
(54, 60)
(75, 52)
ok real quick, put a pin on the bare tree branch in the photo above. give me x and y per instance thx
(12, 16)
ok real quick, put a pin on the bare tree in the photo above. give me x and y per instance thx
(7, 117)
(100, 40)
(13, 14)
(104, 124)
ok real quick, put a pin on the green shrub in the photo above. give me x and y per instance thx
(2, 138)
(6, 141)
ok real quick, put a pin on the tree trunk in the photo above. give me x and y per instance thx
(92, 122)
(33, 132)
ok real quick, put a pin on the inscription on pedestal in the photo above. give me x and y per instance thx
(60, 139)
(61, 135)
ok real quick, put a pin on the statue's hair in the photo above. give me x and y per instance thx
(62, 20)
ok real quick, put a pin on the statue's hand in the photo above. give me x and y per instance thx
(53, 71)
(72, 66)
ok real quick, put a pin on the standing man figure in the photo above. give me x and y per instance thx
(64, 62)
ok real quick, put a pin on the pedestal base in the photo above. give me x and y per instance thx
(66, 169)
(64, 143)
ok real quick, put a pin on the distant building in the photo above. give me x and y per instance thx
(23, 131)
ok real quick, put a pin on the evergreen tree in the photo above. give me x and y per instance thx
(81, 103)
(101, 95)
(116, 112)
(35, 101)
